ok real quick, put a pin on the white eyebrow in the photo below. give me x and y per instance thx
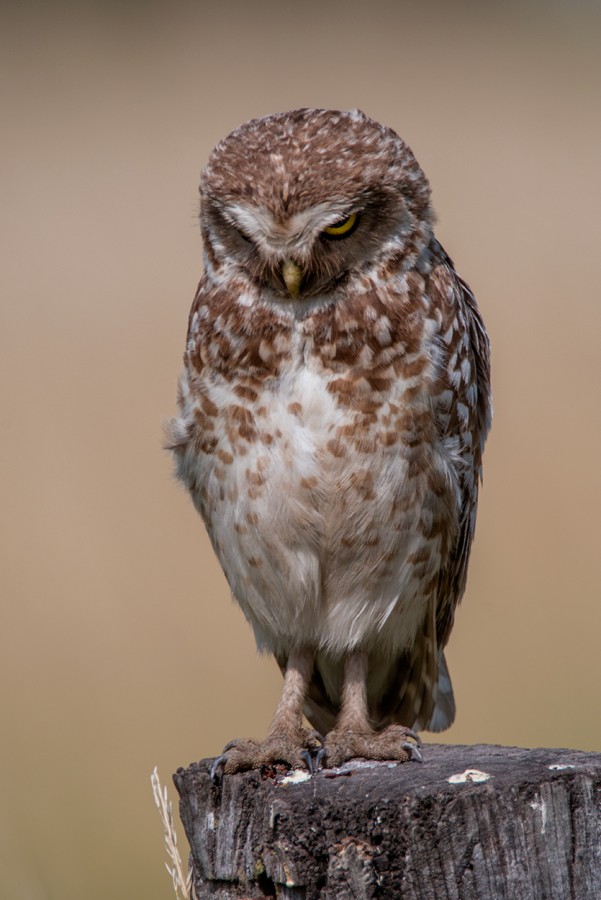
(259, 224)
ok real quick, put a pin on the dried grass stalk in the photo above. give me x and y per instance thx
(181, 885)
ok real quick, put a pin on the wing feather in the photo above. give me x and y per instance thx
(421, 693)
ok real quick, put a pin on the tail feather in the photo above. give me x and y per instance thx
(444, 711)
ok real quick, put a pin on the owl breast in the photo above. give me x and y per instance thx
(328, 496)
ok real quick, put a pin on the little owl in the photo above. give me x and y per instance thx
(334, 405)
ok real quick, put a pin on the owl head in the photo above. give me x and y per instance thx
(299, 202)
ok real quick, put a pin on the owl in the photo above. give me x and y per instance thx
(333, 410)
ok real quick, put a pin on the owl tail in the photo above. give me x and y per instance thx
(444, 711)
(420, 692)
(424, 695)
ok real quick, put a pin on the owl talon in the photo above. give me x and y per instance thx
(294, 750)
(320, 757)
(309, 760)
(390, 744)
(413, 751)
(214, 773)
(314, 755)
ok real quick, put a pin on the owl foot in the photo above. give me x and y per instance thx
(394, 743)
(295, 750)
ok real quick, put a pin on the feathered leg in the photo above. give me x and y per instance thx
(353, 735)
(287, 741)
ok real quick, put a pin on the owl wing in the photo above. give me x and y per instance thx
(420, 693)
(464, 412)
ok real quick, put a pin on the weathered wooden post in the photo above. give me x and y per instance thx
(470, 823)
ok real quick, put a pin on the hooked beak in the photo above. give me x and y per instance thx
(292, 275)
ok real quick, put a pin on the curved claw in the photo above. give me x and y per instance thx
(320, 756)
(307, 756)
(413, 751)
(214, 773)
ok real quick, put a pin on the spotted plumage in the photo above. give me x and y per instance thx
(333, 411)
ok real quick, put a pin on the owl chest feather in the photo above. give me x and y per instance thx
(327, 497)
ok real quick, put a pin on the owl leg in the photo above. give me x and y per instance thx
(353, 735)
(287, 741)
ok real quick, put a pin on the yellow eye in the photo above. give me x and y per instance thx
(342, 228)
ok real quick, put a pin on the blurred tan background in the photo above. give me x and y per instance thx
(119, 646)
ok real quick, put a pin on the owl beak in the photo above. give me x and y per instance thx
(292, 275)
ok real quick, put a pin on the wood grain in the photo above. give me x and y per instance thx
(530, 830)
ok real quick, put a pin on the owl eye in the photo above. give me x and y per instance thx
(342, 228)
(241, 234)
